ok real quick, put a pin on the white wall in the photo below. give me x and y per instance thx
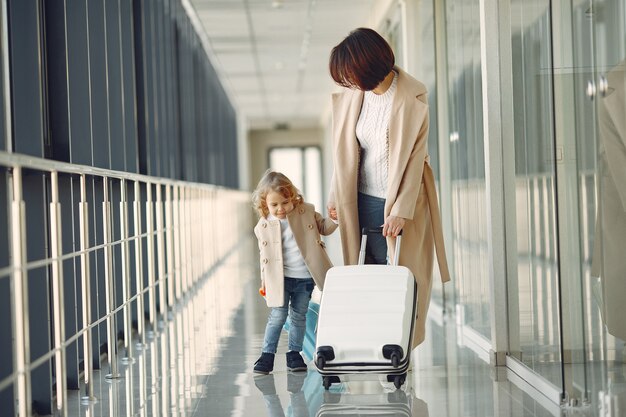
(260, 142)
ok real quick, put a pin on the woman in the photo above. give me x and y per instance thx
(382, 175)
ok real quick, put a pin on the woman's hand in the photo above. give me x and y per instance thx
(393, 225)
(332, 211)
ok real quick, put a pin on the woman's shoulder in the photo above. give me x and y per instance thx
(409, 84)
(343, 94)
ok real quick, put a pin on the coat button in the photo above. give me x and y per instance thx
(264, 243)
(265, 260)
(264, 224)
(310, 226)
(301, 211)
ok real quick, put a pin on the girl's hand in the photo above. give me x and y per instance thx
(332, 211)
(393, 225)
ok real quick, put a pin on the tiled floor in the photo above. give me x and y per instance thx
(200, 364)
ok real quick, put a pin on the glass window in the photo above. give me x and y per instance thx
(469, 252)
(303, 166)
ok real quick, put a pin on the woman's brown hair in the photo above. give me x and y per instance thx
(362, 60)
(277, 182)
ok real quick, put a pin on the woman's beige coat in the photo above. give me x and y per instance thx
(411, 192)
(609, 262)
(306, 225)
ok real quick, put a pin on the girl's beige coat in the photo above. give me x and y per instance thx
(411, 192)
(306, 225)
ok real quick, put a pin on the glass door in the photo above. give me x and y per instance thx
(599, 80)
(469, 251)
(533, 279)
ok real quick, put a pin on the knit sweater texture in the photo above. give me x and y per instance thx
(372, 132)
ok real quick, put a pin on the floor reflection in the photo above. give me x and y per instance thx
(372, 398)
(199, 363)
(307, 398)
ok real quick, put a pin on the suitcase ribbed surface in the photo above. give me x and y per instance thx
(363, 308)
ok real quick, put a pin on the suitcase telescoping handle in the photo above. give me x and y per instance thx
(365, 231)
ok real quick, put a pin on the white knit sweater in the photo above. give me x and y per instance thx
(372, 132)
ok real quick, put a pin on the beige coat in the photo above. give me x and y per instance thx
(411, 191)
(609, 262)
(306, 225)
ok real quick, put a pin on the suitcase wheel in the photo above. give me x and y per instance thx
(320, 362)
(327, 381)
(397, 380)
(394, 353)
(395, 360)
(324, 354)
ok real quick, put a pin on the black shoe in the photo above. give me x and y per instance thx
(295, 361)
(265, 364)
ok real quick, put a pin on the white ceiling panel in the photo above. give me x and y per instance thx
(274, 53)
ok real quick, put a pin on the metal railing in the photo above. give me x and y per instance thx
(179, 232)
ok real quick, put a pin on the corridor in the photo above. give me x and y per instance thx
(133, 134)
(199, 363)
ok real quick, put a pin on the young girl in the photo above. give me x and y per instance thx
(293, 261)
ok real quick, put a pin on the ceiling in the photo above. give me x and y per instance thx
(274, 54)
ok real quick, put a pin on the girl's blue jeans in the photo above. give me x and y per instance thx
(372, 214)
(297, 296)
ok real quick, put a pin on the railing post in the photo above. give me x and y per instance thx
(129, 391)
(196, 210)
(139, 267)
(182, 241)
(58, 310)
(161, 252)
(171, 261)
(177, 243)
(19, 299)
(184, 200)
(211, 228)
(86, 291)
(126, 279)
(206, 235)
(109, 282)
(166, 373)
(173, 361)
(150, 248)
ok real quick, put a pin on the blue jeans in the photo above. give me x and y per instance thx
(372, 214)
(297, 295)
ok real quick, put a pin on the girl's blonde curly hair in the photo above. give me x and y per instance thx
(277, 182)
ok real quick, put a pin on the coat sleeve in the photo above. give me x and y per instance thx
(331, 193)
(409, 189)
(325, 225)
(258, 240)
(614, 151)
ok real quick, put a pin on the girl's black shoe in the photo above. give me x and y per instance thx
(265, 364)
(295, 361)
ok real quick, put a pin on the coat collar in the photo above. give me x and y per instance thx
(347, 106)
(404, 109)
(407, 88)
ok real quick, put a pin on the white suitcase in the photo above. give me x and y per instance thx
(366, 320)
